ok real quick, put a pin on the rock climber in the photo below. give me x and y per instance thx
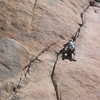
(69, 49)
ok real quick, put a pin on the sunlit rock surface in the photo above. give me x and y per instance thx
(32, 32)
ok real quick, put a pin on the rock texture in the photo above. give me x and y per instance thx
(32, 32)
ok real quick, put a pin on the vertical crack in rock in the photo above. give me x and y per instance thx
(82, 24)
(53, 78)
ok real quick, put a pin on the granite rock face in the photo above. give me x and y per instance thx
(36, 23)
(13, 58)
(32, 32)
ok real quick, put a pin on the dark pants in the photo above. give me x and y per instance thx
(69, 53)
